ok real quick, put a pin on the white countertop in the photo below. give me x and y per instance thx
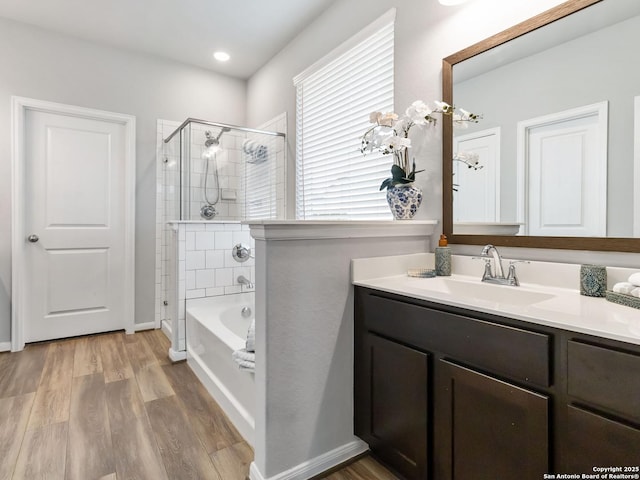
(545, 302)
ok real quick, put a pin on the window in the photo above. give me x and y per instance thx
(333, 101)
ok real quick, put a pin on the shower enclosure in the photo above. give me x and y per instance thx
(212, 176)
(236, 170)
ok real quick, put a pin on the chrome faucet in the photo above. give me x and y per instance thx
(497, 274)
(497, 260)
(242, 280)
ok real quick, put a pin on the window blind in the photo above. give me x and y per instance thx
(333, 179)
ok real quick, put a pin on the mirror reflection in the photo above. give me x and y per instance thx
(554, 154)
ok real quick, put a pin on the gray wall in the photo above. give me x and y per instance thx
(425, 33)
(47, 66)
(304, 356)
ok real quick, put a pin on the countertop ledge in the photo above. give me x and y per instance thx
(326, 230)
(561, 305)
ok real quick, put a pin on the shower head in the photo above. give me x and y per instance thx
(212, 144)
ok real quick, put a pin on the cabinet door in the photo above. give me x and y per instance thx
(595, 441)
(487, 428)
(396, 424)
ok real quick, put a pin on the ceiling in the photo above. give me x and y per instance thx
(188, 31)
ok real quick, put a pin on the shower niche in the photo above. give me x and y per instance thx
(211, 177)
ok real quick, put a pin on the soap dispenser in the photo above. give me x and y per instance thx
(443, 257)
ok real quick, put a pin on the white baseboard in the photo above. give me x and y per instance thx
(5, 346)
(316, 465)
(138, 327)
(166, 329)
(177, 355)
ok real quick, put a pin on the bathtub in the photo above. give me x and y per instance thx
(215, 328)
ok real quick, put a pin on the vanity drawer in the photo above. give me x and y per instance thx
(605, 378)
(516, 353)
(619, 445)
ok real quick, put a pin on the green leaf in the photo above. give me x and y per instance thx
(397, 172)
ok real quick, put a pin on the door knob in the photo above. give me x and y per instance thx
(33, 238)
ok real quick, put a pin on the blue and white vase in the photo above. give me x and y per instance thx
(404, 201)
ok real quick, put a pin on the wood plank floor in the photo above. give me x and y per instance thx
(113, 407)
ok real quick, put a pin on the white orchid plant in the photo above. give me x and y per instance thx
(470, 159)
(390, 135)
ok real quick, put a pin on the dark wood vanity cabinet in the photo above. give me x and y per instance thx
(394, 422)
(444, 393)
(489, 428)
(603, 410)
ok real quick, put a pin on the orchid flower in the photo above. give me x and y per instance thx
(390, 135)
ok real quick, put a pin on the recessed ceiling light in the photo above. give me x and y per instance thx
(221, 56)
(451, 2)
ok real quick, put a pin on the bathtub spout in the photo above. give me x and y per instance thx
(242, 280)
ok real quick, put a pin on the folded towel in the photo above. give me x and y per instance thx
(255, 152)
(251, 337)
(246, 360)
(635, 279)
(260, 154)
(248, 146)
(623, 287)
(635, 292)
(242, 354)
(247, 366)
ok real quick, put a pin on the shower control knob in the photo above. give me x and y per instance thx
(33, 238)
(241, 253)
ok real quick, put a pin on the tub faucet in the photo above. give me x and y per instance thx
(490, 252)
(242, 280)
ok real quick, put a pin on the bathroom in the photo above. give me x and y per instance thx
(312, 405)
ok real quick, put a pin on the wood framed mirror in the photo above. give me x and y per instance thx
(617, 231)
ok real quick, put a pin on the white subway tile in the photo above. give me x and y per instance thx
(195, 260)
(223, 210)
(215, 292)
(215, 259)
(229, 261)
(205, 240)
(233, 227)
(232, 290)
(215, 227)
(234, 210)
(205, 278)
(190, 240)
(195, 294)
(224, 277)
(191, 280)
(245, 271)
(241, 237)
(224, 240)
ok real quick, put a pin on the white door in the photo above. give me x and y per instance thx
(477, 195)
(566, 166)
(76, 277)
